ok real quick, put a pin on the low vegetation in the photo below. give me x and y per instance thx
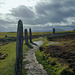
(7, 62)
(58, 55)
(50, 64)
(8, 53)
(8, 57)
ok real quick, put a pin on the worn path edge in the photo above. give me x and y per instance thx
(33, 67)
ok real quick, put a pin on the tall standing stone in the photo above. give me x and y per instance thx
(26, 36)
(19, 49)
(53, 30)
(30, 35)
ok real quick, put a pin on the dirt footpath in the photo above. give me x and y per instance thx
(33, 67)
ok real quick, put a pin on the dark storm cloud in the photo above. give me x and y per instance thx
(9, 29)
(7, 25)
(46, 12)
(22, 12)
(3, 22)
(70, 2)
(56, 11)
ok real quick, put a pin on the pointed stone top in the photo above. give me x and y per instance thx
(20, 22)
(30, 28)
(25, 29)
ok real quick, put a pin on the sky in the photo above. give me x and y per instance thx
(40, 15)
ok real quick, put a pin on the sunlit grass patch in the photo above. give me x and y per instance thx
(7, 64)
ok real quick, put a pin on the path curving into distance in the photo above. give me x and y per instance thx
(33, 67)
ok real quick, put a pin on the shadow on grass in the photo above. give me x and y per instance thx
(30, 46)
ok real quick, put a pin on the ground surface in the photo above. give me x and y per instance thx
(33, 67)
(63, 49)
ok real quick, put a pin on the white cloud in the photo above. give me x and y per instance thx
(9, 4)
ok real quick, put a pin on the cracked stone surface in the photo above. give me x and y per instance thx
(33, 67)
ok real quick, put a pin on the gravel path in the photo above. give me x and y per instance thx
(33, 67)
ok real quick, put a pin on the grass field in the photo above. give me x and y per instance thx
(14, 34)
(50, 64)
(7, 62)
(58, 55)
(8, 53)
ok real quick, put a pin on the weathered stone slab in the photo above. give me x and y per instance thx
(19, 49)
(30, 35)
(26, 36)
(53, 30)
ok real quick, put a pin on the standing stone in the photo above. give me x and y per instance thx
(19, 49)
(26, 36)
(53, 30)
(30, 35)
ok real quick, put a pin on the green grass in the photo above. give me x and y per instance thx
(9, 34)
(7, 64)
(51, 70)
(14, 34)
(46, 62)
(64, 31)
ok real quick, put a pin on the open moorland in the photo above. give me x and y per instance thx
(57, 54)
(8, 51)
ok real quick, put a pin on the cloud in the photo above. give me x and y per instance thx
(45, 12)
(4, 22)
(55, 12)
(7, 23)
(23, 12)
(43, 16)
(1, 3)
